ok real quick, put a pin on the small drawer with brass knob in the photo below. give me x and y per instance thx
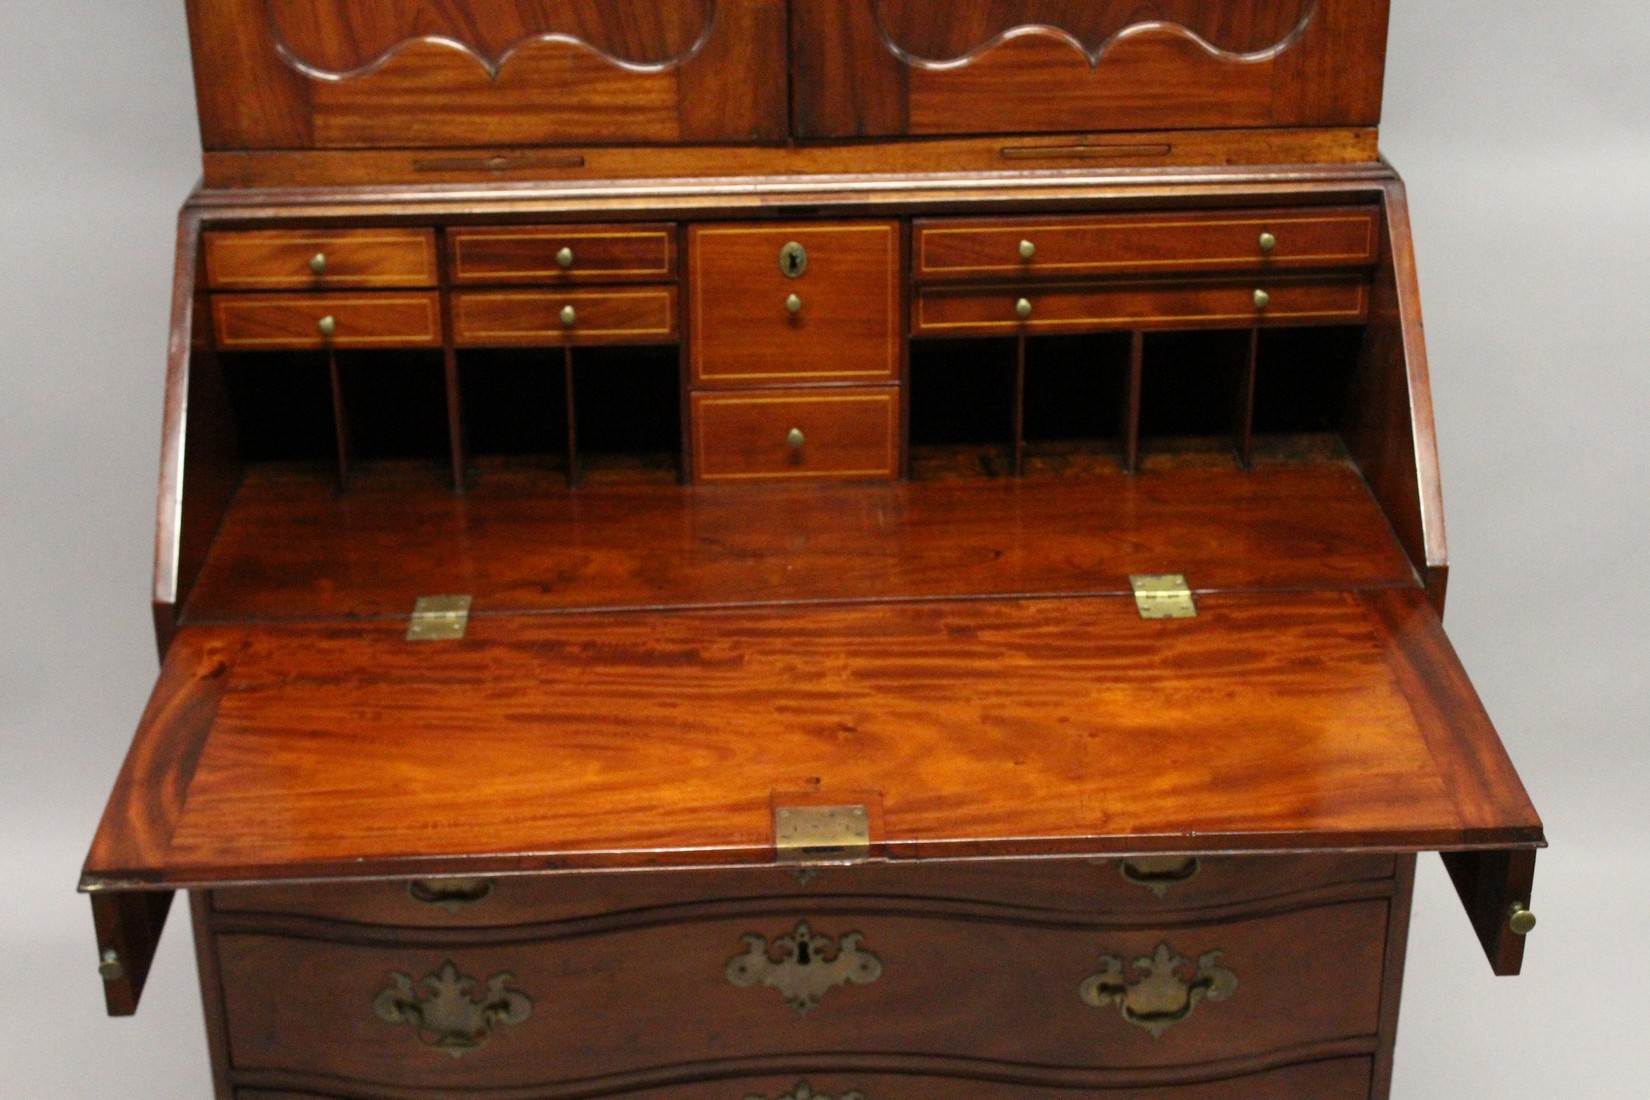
(516, 318)
(358, 259)
(784, 434)
(269, 322)
(555, 254)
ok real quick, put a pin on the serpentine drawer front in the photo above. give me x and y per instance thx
(283, 259)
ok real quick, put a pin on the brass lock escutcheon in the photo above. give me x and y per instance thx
(1159, 991)
(450, 1011)
(803, 966)
(793, 260)
(805, 1091)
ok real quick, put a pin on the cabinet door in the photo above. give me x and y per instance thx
(334, 74)
(889, 68)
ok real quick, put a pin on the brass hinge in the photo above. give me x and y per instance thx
(821, 834)
(1163, 596)
(439, 619)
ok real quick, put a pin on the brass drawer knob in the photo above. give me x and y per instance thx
(1022, 309)
(564, 258)
(794, 439)
(1520, 920)
(1262, 299)
(110, 968)
(1268, 242)
(318, 263)
(569, 316)
(327, 325)
(794, 304)
(1028, 250)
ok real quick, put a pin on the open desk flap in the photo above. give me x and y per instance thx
(1329, 720)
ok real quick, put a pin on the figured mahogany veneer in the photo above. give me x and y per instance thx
(286, 259)
(767, 435)
(632, 315)
(266, 322)
(498, 255)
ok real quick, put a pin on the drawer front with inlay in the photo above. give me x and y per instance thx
(562, 254)
(1006, 310)
(280, 259)
(792, 304)
(257, 322)
(1145, 244)
(620, 316)
(778, 434)
(734, 980)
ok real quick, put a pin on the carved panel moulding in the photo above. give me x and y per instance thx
(1241, 30)
(342, 39)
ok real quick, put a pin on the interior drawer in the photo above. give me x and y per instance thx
(255, 322)
(778, 434)
(1142, 888)
(1255, 240)
(752, 980)
(282, 259)
(1051, 308)
(643, 315)
(1338, 1079)
(801, 303)
(562, 254)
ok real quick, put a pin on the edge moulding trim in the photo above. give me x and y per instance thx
(1096, 54)
(492, 65)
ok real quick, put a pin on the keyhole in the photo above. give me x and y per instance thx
(793, 260)
(803, 954)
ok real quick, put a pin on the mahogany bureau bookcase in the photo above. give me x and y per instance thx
(801, 550)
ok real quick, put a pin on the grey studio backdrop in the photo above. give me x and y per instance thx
(1523, 129)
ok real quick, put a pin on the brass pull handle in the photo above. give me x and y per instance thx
(1520, 920)
(794, 304)
(569, 316)
(451, 894)
(1268, 242)
(1262, 299)
(318, 263)
(1022, 309)
(450, 1011)
(109, 966)
(1159, 991)
(564, 258)
(327, 325)
(1028, 250)
(1159, 875)
(794, 439)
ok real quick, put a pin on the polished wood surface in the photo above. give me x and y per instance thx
(988, 727)
(631, 315)
(262, 322)
(284, 259)
(292, 547)
(847, 324)
(962, 248)
(1086, 307)
(844, 433)
(499, 255)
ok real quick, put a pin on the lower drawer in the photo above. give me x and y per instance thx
(945, 311)
(258, 322)
(740, 981)
(780, 435)
(635, 315)
(1338, 1079)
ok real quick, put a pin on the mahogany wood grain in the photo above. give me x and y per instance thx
(990, 727)
(878, 67)
(128, 926)
(1200, 888)
(978, 248)
(264, 322)
(1489, 885)
(292, 548)
(743, 436)
(984, 310)
(847, 328)
(211, 981)
(506, 255)
(537, 318)
(274, 169)
(280, 259)
(1392, 979)
(630, 996)
(1341, 1078)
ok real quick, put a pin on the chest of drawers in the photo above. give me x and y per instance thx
(796, 549)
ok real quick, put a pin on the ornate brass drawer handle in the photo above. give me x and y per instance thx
(808, 965)
(805, 1091)
(1160, 874)
(453, 894)
(1156, 993)
(446, 1011)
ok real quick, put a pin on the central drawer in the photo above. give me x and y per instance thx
(758, 435)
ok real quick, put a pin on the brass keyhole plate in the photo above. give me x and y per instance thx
(793, 260)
